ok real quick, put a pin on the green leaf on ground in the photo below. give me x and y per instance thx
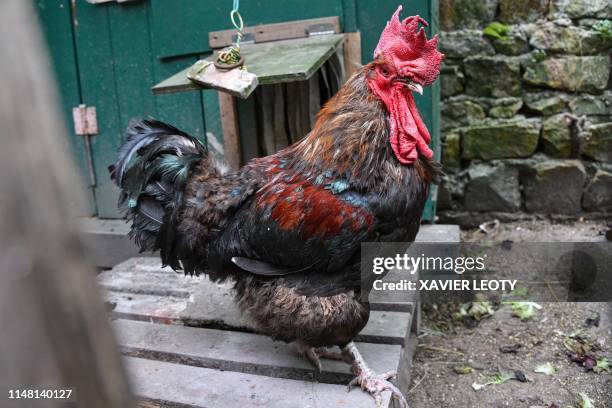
(524, 310)
(497, 379)
(585, 401)
(603, 365)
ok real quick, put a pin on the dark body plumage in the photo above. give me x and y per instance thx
(285, 228)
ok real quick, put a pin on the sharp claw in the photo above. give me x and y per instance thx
(389, 375)
(353, 382)
(397, 394)
(376, 384)
(378, 400)
(371, 382)
(313, 358)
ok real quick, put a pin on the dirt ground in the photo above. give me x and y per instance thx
(441, 375)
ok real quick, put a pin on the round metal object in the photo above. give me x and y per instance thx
(227, 67)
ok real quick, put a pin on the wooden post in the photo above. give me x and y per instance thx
(55, 332)
(352, 53)
(229, 126)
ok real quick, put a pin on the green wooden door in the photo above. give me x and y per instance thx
(103, 56)
(109, 55)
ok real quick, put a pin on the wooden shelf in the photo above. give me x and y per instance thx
(272, 62)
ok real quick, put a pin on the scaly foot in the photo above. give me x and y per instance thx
(314, 355)
(375, 384)
(371, 382)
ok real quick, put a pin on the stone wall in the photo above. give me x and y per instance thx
(526, 109)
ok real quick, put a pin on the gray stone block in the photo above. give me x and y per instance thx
(451, 81)
(459, 44)
(588, 74)
(598, 144)
(557, 136)
(569, 39)
(598, 194)
(501, 139)
(493, 188)
(455, 14)
(554, 187)
(521, 11)
(545, 103)
(458, 113)
(497, 76)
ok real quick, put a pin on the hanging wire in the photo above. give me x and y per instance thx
(232, 55)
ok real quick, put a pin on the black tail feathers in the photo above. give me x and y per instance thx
(152, 170)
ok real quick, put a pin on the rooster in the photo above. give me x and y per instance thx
(287, 228)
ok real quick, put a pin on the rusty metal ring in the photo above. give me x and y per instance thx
(227, 67)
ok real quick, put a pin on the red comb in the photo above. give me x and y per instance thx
(403, 41)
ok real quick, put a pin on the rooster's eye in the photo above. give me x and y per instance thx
(385, 72)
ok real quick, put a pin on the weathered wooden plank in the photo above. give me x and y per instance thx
(265, 110)
(241, 352)
(352, 53)
(160, 309)
(231, 132)
(161, 382)
(247, 123)
(314, 100)
(236, 82)
(273, 62)
(292, 106)
(304, 102)
(160, 284)
(142, 264)
(273, 32)
(272, 126)
(279, 128)
(153, 296)
(212, 118)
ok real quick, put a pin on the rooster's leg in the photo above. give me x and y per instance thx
(314, 355)
(371, 382)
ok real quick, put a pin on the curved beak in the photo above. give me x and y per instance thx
(413, 86)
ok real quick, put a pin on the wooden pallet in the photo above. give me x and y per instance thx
(186, 344)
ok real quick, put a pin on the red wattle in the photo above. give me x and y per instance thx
(408, 135)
